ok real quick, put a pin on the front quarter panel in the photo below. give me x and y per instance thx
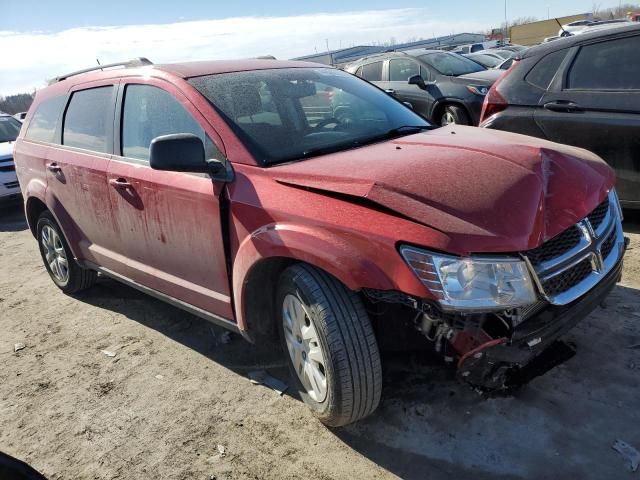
(355, 243)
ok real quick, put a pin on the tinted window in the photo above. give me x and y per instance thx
(150, 112)
(543, 72)
(9, 129)
(42, 127)
(87, 119)
(302, 98)
(401, 69)
(452, 64)
(372, 72)
(612, 65)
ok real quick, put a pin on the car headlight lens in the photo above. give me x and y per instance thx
(478, 89)
(472, 283)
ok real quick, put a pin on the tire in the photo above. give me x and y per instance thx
(55, 253)
(352, 368)
(454, 114)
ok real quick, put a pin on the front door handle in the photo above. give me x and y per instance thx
(563, 106)
(390, 91)
(54, 168)
(119, 183)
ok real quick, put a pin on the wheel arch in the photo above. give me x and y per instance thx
(262, 258)
(440, 105)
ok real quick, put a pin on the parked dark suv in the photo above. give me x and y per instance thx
(582, 90)
(443, 87)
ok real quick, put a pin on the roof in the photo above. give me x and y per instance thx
(568, 42)
(197, 69)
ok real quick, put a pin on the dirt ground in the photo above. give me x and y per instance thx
(175, 391)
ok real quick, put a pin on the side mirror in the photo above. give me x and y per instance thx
(417, 80)
(184, 152)
(180, 152)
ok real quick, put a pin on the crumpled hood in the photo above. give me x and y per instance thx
(6, 150)
(488, 191)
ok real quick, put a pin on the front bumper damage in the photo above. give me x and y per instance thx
(534, 348)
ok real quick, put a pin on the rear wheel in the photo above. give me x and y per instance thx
(58, 259)
(332, 350)
(454, 114)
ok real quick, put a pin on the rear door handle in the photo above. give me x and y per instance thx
(119, 183)
(390, 91)
(563, 106)
(53, 167)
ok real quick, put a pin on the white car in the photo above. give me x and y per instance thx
(9, 130)
(574, 27)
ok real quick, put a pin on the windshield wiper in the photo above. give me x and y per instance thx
(407, 130)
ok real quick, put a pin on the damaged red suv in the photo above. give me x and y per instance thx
(232, 190)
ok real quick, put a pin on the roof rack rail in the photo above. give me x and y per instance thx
(136, 62)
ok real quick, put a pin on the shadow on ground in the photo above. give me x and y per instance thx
(12, 217)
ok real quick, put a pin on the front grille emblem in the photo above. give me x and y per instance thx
(597, 262)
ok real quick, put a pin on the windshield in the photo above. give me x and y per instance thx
(451, 64)
(9, 129)
(294, 113)
(485, 60)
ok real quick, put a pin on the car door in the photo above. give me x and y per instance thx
(77, 171)
(595, 104)
(400, 69)
(168, 223)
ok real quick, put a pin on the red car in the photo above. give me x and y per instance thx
(208, 185)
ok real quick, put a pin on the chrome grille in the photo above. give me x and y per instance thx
(570, 264)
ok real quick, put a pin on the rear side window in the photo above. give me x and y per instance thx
(401, 69)
(372, 72)
(612, 65)
(150, 112)
(87, 119)
(42, 127)
(542, 74)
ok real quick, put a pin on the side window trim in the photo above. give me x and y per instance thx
(109, 124)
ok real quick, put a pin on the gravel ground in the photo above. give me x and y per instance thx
(175, 391)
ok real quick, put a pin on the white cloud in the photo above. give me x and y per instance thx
(31, 57)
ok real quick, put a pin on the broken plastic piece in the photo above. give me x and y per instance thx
(261, 377)
(628, 452)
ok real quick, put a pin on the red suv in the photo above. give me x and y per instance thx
(222, 188)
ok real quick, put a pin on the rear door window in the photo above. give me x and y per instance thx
(150, 112)
(543, 72)
(400, 69)
(372, 72)
(88, 119)
(42, 127)
(611, 65)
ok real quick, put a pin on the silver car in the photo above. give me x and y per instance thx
(9, 129)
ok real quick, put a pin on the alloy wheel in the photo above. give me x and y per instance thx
(54, 253)
(447, 119)
(304, 347)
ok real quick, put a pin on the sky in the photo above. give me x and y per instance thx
(40, 39)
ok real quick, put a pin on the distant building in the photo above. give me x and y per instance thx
(345, 56)
(535, 32)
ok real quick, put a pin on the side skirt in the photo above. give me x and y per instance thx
(187, 307)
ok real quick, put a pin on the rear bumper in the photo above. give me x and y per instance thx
(497, 365)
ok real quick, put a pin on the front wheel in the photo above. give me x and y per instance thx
(332, 350)
(454, 115)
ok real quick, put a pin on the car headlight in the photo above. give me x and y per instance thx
(473, 283)
(478, 89)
